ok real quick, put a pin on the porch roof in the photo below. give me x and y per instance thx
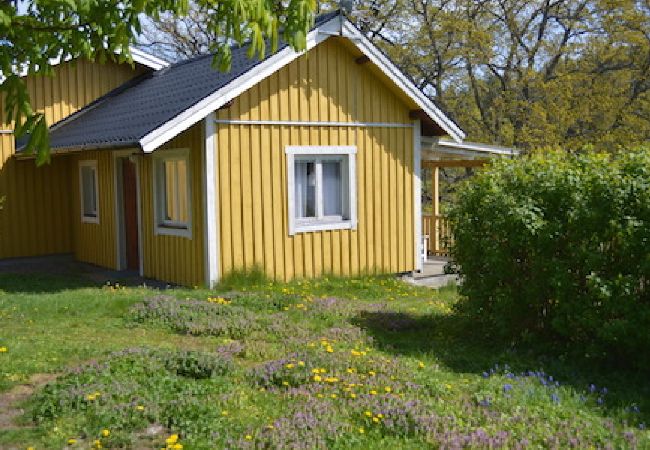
(434, 148)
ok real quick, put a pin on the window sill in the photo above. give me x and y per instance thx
(323, 225)
(173, 231)
(89, 219)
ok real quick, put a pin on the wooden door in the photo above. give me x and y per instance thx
(130, 202)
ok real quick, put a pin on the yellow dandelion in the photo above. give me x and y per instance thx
(249, 437)
(361, 430)
(224, 413)
(290, 366)
(301, 363)
(373, 392)
(3, 349)
(177, 446)
(139, 408)
(375, 419)
(380, 415)
(368, 414)
(372, 373)
(285, 383)
(72, 441)
(353, 395)
(171, 440)
(333, 395)
(420, 365)
(329, 349)
(97, 443)
(317, 378)
(106, 433)
(388, 389)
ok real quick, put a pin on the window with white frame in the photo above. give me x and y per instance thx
(172, 193)
(322, 188)
(89, 191)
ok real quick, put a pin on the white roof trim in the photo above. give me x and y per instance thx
(137, 55)
(146, 59)
(332, 27)
(467, 148)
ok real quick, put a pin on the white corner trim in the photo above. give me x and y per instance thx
(6, 131)
(211, 205)
(294, 151)
(92, 163)
(403, 82)
(417, 197)
(160, 229)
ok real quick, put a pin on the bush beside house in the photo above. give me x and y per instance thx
(557, 245)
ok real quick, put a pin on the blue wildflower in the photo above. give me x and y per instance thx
(604, 391)
(555, 398)
(507, 387)
(600, 401)
(486, 375)
(642, 426)
(592, 388)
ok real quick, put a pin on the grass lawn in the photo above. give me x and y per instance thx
(362, 363)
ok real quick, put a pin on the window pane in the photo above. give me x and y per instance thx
(176, 196)
(332, 189)
(89, 194)
(305, 188)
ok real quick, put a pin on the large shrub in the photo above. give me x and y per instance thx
(557, 245)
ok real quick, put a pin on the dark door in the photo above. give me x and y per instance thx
(129, 188)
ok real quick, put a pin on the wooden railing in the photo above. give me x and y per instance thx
(439, 232)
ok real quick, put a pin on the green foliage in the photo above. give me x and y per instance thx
(42, 30)
(556, 245)
(527, 73)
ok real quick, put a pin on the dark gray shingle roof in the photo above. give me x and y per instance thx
(125, 115)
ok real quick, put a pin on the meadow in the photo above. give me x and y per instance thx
(363, 363)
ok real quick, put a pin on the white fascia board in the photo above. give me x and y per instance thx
(403, 82)
(146, 59)
(236, 87)
(475, 147)
(138, 56)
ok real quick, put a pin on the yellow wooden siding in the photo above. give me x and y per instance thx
(175, 259)
(95, 243)
(35, 218)
(38, 217)
(325, 85)
(76, 84)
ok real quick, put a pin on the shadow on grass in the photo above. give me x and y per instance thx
(463, 346)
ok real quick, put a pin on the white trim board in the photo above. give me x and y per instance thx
(337, 26)
(314, 123)
(294, 152)
(120, 243)
(138, 56)
(417, 196)
(91, 163)
(211, 203)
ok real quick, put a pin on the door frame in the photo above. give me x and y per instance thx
(120, 234)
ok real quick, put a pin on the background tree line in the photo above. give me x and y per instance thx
(523, 73)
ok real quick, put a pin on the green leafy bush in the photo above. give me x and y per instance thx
(557, 245)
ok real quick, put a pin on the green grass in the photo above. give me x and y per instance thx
(247, 373)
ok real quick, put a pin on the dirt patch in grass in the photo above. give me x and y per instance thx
(11, 400)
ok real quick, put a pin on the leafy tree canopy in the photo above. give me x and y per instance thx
(34, 32)
(528, 73)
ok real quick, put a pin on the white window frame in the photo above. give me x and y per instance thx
(161, 226)
(319, 152)
(92, 164)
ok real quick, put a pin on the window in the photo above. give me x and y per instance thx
(322, 188)
(172, 193)
(88, 191)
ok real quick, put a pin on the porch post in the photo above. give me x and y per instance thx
(435, 194)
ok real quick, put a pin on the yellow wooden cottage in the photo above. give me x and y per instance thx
(301, 164)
